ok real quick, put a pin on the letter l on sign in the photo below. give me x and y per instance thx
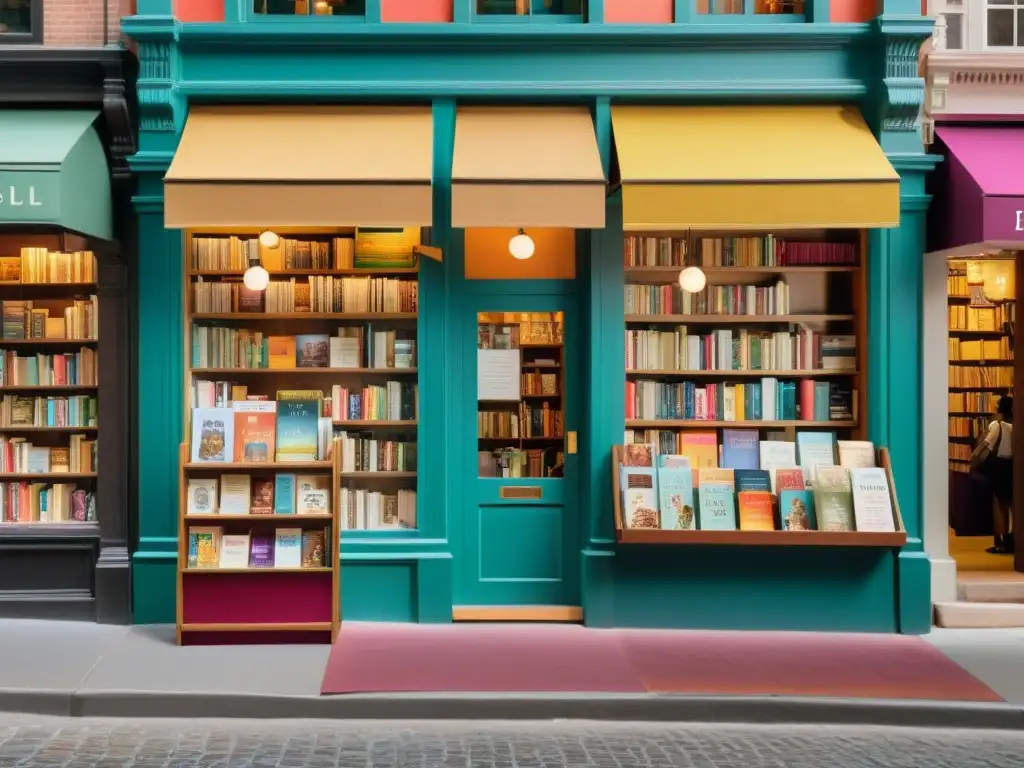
(1020, 221)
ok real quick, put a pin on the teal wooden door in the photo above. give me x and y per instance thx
(520, 541)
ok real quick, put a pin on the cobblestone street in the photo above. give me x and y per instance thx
(78, 743)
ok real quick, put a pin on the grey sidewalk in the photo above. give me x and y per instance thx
(79, 669)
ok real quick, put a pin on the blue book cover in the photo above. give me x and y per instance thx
(815, 449)
(675, 496)
(753, 480)
(297, 430)
(740, 448)
(717, 500)
(796, 511)
(284, 494)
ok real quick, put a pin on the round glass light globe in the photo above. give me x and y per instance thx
(693, 279)
(269, 239)
(521, 246)
(256, 278)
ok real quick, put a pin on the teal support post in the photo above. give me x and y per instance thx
(595, 12)
(817, 11)
(462, 11)
(682, 11)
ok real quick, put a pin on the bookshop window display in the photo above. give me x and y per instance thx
(303, 403)
(745, 356)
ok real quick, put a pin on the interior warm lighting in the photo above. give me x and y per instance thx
(693, 279)
(269, 239)
(256, 278)
(521, 246)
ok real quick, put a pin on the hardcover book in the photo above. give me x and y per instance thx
(796, 509)
(255, 423)
(262, 553)
(675, 493)
(284, 494)
(313, 495)
(213, 432)
(717, 500)
(789, 480)
(313, 350)
(833, 499)
(752, 480)
(234, 494)
(639, 497)
(638, 455)
(262, 502)
(740, 448)
(756, 511)
(775, 455)
(204, 542)
(701, 448)
(297, 430)
(856, 453)
(816, 449)
(281, 352)
(313, 548)
(288, 548)
(872, 502)
(234, 551)
(202, 496)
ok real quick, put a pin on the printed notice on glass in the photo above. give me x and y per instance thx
(497, 374)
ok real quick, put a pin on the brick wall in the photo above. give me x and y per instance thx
(79, 23)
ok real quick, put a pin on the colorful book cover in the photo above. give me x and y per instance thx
(675, 494)
(740, 448)
(284, 494)
(815, 449)
(207, 546)
(639, 497)
(297, 425)
(313, 350)
(856, 454)
(280, 352)
(213, 432)
(234, 494)
(637, 455)
(701, 448)
(833, 499)
(255, 425)
(313, 495)
(789, 480)
(234, 550)
(288, 548)
(717, 506)
(202, 496)
(262, 502)
(872, 502)
(313, 549)
(775, 455)
(796, 509)
(262, 553)
(752, 480)
(756, 510)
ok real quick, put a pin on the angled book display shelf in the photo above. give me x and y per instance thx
(742, 391)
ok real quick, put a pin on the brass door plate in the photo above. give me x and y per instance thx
(570, 442)
(520, 492)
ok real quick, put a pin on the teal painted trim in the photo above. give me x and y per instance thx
(373, 12)
(391, 545)
(153, 591)
(729, 20)
(519, 287)
(598, 579)
(547, 18)
(259, 18)
(683, 11)
(817, 11)
(434, 591)
(158, 545)
(393, 556)
(462, 11)
(603, 131)
(915, 593)
(595, 12)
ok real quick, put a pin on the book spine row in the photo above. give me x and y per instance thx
(72, 369)
(713, 300)
(363, 509)
(30, 502)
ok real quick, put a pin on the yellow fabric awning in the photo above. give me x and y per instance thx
(302, 166)
(754, 167)
(527, 167)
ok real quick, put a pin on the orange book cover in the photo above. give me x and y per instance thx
(756, 511)
(255, 430)
(701, 448)
(281, 351)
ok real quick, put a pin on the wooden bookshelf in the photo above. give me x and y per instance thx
(48, 354)
(508, 443)
(279, 601)
(824, 298)
(323, 264)
(648, 536)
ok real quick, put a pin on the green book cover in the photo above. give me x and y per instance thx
(297, 422)
(833, 499)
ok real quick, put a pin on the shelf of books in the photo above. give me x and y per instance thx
(521, 416)
(980, 356)
(49, 387)
(761, 370)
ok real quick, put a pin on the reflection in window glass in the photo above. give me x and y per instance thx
(309, 7)
(1004, 23)
(954, 31)
(733, 7)
(529, 7)
(520, 429)
(16, 16)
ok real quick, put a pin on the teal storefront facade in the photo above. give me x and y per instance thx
(418, 576)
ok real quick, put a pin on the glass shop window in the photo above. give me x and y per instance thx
(530, 8)
(757, 7)
(308, 7)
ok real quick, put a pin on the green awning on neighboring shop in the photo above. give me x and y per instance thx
(53, 172)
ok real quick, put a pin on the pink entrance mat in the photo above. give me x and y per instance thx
(557, 658)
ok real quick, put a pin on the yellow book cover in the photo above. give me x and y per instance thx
(281, 351)
(10, 269)
(701, 448)
(756, 511)
(740, 402)
(715, 475)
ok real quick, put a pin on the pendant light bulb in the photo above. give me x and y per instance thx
(269, 239)
(256, 278)
(693, 279)
(521, 246)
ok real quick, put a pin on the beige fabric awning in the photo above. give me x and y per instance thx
(527, 167)
(302, 166)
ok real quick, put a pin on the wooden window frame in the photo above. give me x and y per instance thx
(35, 34)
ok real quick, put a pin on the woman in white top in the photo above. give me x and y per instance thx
(1000, 442)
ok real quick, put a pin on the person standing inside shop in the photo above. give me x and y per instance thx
(999, 468)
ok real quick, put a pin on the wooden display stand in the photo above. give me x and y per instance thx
(218, 605)
(625, 535)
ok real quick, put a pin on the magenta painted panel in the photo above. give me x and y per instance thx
(1004, 218)
(993, 155)
(240, 598)
(256, 638)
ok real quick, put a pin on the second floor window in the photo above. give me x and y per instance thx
(21, 21)
(955, 27)
(1004, 24)
(308, 7)
(529, 7)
